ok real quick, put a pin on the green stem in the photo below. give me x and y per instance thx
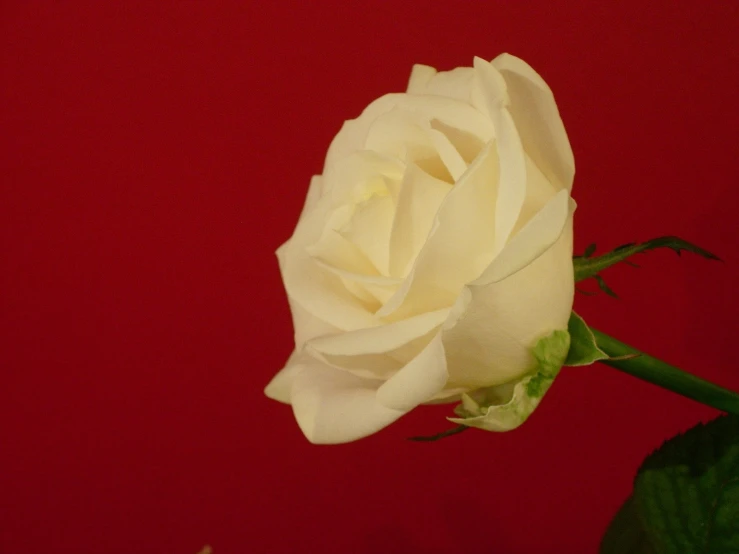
(652, 370)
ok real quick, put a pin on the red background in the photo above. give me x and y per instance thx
(155, 155)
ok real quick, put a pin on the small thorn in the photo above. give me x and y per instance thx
(605, 288)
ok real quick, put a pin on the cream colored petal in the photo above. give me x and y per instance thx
(317, 290)
(338, 252)
(537, 119)
(281, 384)
(396, 133)
(333, 406)
(451, 84)
(490, 343)
(361, 175)
(323, 294)
(418, 201)
(419, 79)
(418, 381)
(539, 191)
(369, 229)
(512, 184)
(536, 237)
(410, 135)
(452, 159)
(377, 340)
(452, 112)
(353, 133)
(459, 246)
(306, 325)
(466, 144)
(314, 194)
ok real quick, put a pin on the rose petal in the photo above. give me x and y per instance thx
(452, 159)
(452, 112)
(418, 381)
(353, 133)
(539, 191)
(490, 343)
(338, 252)
(398, 134)
(333, 406)
(418, 201)
(361, 175)
(536, 237)
(314, 194)
(459, 246)
(419, 79)
(378, 340)
(318, 291)
(456, 83)
(279, 388)
(369, 229)
(512, 184)
(466, 144)
(537, 119)
(306, 325)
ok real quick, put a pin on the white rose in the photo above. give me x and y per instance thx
(432, 254)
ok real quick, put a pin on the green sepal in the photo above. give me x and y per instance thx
(686, 495)
(583, 348)
(442, 435)
(505, 407)
(587, 265)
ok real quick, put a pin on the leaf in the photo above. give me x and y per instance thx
(583, 348)
(686, 495)
(625, 534)
(586, 266)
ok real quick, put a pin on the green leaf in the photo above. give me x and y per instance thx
(583, 348)
(625, 533)
(686, 495)
(505, 407)
(587, 266)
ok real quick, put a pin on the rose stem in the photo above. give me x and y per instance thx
(652, 370)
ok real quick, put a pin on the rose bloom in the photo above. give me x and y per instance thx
(433, 252)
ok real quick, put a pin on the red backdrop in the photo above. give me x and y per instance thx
(155, 155)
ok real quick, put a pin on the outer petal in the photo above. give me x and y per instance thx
(353, 133)
(378, 340)
(280, 387)
(379, 352)
(317, 290)
(536, 237)
(456, 83)
(419, 381)
(511, 156)
(537, 119)
(490, 343)
(333, 406)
